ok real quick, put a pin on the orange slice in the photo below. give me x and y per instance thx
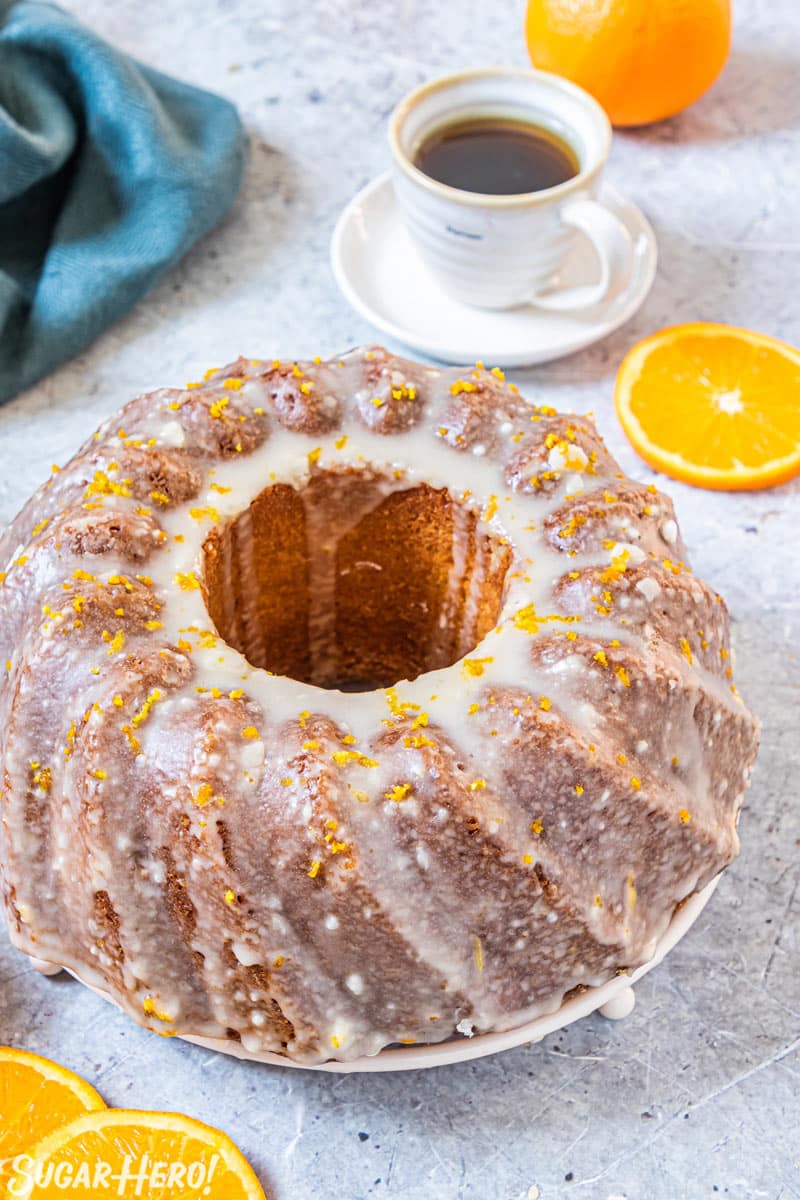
(36, 1097)
(154, 1156)
(714, 406)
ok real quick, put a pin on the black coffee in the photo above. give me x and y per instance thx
(497, 157)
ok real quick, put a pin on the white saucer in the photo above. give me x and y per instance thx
(382, 275)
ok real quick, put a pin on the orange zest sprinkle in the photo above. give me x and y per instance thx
(631, 884)
(132, 739)
(475, 666)
(343, 757)
(150, 1008)
(417, 742)
(398, 707)
(203, 795)
(115, 643)
(528, 620)
(101, 485)
(217, 408)
(144, 711)
(187, 582)
(398, 792)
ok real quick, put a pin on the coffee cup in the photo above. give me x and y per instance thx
(502, 251)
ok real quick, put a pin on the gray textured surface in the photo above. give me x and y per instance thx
(698, 1093)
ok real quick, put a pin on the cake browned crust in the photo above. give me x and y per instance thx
(355, 702)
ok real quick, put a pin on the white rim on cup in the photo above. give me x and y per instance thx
(480, 199)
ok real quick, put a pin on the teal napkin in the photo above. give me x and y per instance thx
(109, 171)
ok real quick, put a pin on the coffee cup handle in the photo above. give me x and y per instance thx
(613, 246)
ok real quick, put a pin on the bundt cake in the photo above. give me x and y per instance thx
(356, 702)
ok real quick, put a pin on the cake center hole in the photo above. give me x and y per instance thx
(354, 582)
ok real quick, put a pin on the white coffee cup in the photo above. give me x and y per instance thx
(503, 251)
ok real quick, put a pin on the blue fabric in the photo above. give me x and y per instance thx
(109, 171)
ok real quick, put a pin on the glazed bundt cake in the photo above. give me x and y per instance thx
(356, 702)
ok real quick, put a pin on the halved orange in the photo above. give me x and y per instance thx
(151, 1155)
(36, 1097)
(712, 405)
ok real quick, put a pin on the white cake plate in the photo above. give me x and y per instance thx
(614, 999)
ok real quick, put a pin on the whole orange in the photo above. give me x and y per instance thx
(642, 59)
